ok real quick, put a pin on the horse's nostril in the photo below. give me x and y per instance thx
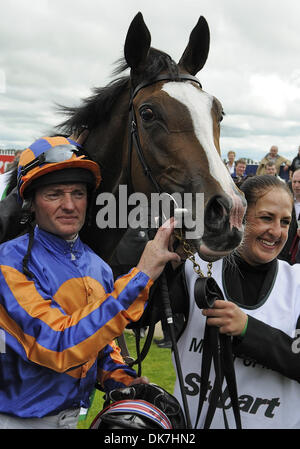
(218, 209)
(217, 212)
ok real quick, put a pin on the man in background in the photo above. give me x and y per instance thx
(271, 170)
(273, 156)
(295, 163)
(239, 175)
(290, 251)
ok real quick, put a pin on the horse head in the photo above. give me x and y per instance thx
(178, 129)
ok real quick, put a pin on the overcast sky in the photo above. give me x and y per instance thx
(55, 51)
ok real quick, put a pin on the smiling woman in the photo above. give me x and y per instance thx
(268, 219)
(261, 312)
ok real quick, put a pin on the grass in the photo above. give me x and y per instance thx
(157, 366)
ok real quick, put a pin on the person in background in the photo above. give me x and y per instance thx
(295, 163)
(271, 170)
(60, 309)
(239, 174)
(278, 160)
(290, 251)
(230, 164)
(261, 313)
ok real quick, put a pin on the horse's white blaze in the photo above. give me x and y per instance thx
(199, 104)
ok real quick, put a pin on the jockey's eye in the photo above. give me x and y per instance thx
(146, 114)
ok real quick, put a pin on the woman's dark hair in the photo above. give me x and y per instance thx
(257, 186)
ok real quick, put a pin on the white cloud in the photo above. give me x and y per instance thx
(55, 51)
(274, 95)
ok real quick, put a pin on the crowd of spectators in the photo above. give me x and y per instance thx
(274, 164)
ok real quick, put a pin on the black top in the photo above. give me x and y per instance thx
(245, 284)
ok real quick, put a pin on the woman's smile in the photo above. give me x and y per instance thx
(267, 225)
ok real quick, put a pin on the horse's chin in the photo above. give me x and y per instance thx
(210, 255)
(215, 246)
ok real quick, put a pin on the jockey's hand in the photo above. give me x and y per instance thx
(140, 380)
(156, 253)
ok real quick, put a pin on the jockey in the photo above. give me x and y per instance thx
(60, 309)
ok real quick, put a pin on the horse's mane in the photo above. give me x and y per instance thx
(97, 107)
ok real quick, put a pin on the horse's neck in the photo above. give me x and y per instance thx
(107, 145)
(104, 240)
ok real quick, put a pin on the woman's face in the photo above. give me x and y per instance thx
(267, 226)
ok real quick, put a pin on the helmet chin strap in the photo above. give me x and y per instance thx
(25, 261)
(27, 214)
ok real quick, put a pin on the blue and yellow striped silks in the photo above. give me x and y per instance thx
(56, 324)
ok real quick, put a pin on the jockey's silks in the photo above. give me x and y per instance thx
(54, 326)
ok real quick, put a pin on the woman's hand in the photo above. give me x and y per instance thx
(227, 316)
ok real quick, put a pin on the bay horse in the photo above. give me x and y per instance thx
(157, 130)
(176, 138)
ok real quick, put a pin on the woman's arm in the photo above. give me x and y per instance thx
(270, 347)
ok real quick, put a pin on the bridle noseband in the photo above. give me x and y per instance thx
(133, 135)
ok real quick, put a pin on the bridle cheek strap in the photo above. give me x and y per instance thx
(133, 135)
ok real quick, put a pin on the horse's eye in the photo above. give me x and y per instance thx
(147, 114)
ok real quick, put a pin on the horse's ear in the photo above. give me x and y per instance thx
(137, 43)
(196, 52)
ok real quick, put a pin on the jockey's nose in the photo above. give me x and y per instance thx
(67, 201)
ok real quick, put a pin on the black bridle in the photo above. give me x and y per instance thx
(216, 347)
(133, 137)
(133, 140)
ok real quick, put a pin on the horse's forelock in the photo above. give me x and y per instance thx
(158, 62)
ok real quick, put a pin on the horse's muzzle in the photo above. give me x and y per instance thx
(223, 225)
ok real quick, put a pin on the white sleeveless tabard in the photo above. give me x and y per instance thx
(267, 399)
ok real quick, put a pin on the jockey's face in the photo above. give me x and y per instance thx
(61, 208)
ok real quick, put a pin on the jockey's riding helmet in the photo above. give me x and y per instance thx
(55, 160)
(140, 406)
